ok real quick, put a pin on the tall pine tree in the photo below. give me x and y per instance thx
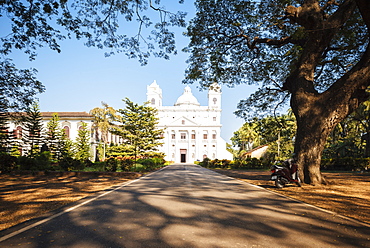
(5, 136)
(83, 143)
(32, 137)
(138, 128)
(55, 137)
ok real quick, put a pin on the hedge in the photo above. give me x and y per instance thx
(346, 164)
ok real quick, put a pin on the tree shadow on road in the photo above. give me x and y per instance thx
(188, 206)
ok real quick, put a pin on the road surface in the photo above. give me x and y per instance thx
(188, 206)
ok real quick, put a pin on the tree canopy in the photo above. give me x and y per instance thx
(262, 42)
(312, 54)
(101, 24)
(139, 29)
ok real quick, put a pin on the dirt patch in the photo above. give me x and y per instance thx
(23, 197)
(347, 194)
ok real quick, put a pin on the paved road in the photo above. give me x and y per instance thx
(189, 206)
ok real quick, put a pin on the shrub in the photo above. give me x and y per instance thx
(8, 163)
(98, 166)
(158, 161)
(69, 164)
(111, 164)
(43, 161)
(205, 162)
(136, 167)
(126, 164)
(346, 164)
(147, 163)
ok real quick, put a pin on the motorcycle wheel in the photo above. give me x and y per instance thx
(278, 183)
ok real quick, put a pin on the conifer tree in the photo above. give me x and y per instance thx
(54, 137)
(138, 127)
(83, 143)
(5, 136)
(33, 127)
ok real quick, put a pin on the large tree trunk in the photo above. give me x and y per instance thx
(318, 113)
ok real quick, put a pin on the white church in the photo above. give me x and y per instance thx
(191, 132)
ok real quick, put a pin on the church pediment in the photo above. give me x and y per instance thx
(183, 121)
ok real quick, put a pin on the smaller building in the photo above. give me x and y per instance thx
(71, 122)
(257, 152)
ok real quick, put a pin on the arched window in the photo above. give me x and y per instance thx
(66, 131)
(18, 132)
(214, 100)
(153, 101)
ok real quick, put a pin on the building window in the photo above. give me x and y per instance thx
(173, 136)
(153, 101)
(205, 136)
(18, 132)
(183, 122)
(66, 131)
(214, 119)
(183, 136)
(214, 136)
(193, 136)
(205, 145)
(214, 100)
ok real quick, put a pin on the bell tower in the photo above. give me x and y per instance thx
(154, 95)
(214, 96)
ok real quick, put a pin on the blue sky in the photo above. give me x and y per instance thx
(79, 78)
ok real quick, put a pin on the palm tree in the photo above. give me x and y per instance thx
(103, 121)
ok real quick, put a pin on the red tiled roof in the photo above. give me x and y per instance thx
(66, 114)
(255, 149)
(60, 114)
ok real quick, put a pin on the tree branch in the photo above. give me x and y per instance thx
(364, 7)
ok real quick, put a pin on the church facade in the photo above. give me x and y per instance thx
(191, 132)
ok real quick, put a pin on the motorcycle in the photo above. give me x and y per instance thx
(285, 173)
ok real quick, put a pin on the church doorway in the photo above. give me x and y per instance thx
(183, 153)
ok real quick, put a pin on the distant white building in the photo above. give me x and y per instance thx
(191, 132)
(71, 122)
